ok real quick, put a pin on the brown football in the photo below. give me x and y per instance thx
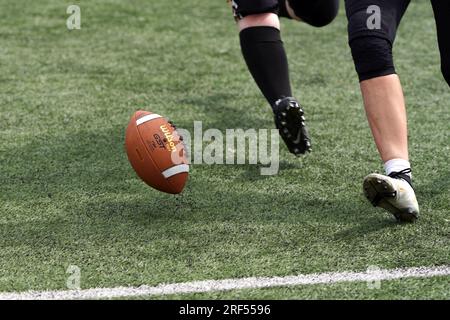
(156, 152)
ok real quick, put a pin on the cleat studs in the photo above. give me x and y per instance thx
(283, 123)
(284, 114)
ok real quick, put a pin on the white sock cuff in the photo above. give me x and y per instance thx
(396, 165)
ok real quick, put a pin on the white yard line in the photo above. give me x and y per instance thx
(230, 284)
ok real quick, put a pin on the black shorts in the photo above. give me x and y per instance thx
(391, 12)
(242, 8)
(314, 12)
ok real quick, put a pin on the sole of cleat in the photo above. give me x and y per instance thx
(297, 113)
(377, 191)
(290, 121)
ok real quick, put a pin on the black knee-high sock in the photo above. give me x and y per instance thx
(266, 59)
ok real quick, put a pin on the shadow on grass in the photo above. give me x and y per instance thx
(436, 187)
(91, 193)
(225, 112)
(227, 223)
(366, 226)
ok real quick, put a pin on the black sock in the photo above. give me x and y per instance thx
(266, 59)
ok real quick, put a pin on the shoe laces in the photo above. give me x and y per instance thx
(403, 174)
(399, 173)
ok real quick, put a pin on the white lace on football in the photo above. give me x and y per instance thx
(175, 170)
(147, 118)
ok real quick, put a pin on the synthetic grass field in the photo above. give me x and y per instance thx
(69, 196)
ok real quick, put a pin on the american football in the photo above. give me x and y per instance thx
(156, 152)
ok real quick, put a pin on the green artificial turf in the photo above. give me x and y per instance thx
(68, 195)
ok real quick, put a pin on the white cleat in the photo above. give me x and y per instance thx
(394, 195)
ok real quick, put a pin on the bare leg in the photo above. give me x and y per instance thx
(385, 109)
(259, 20)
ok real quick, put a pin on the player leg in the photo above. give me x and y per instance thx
(442, 15)
(266, 59)
(372, 29)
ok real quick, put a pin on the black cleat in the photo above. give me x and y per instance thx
(290, 122)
